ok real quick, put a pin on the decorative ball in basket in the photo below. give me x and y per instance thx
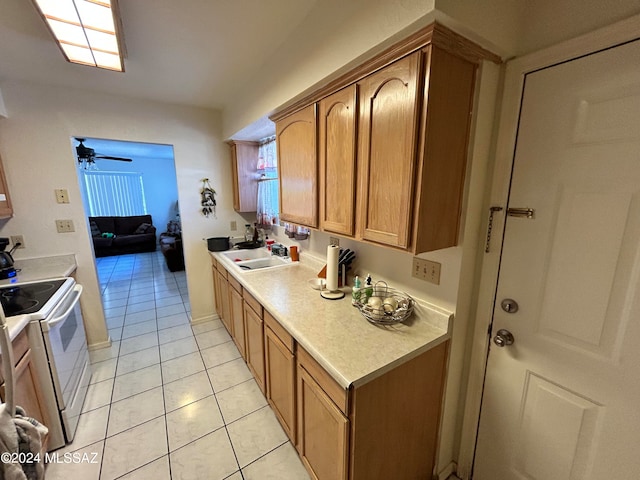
(384, 305)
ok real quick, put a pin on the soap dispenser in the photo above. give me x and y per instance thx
(356, 292)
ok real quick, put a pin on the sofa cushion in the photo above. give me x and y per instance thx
(105, 224)
(101, 242)
(122, 240)
(95, 230)
(128, 225)
(143, 228)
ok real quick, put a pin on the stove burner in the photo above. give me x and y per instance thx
(17, 307)
(28, 297)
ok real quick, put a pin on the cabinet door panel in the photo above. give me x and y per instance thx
(216, 291)
(280, 364)
(254, 339)
(298, 167)
(225, 304)
(337, 155)
(389, 108)
(322, 431)
(27, 390)
(237, 318)
(244, 176)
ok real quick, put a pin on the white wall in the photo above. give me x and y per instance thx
(37, 154)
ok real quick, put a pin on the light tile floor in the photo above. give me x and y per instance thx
(170, 400)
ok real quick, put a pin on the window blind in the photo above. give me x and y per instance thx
(114, 193)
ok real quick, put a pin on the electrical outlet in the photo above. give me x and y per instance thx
(15, 239)
(62, 195)
(334, 241)
(233, 226)
(65, 226)
(426, 270)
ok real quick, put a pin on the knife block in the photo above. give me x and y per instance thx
(342, 275)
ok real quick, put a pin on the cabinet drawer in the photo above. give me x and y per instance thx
(252, 302)
(279, 330)
(235, 283)
(214, 262)
(20, 346)
(336, 393)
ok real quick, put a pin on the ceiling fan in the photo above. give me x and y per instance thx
(87, 156)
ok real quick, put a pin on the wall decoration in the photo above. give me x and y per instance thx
(208, 199)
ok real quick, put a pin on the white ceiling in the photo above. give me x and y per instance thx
(188, 52)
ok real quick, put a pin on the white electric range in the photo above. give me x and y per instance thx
(59, 347)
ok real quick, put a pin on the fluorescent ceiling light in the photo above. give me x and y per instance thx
(87, 31)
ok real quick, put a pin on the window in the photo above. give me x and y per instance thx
(114, 193)
(267, 208)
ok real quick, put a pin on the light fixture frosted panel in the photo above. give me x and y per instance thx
(78, 54)
(102, 41)
(66, 32)
(88, 25)
(107, 60)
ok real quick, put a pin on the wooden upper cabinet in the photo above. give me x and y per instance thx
(298, 167)
(388, 140)
(337, 154)
(446, 121)
(6, 209)
(244, 175)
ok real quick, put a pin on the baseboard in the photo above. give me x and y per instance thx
(99, 345)
(206, 318)
(447, 471)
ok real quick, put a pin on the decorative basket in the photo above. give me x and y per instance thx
(390, 306)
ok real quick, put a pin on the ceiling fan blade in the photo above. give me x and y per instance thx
(107, 157)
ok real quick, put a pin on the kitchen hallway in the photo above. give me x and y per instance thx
(170, 400)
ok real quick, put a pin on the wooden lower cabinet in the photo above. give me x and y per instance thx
(254, 341)
(225, 301)
(237, 318)
(386, 428)
(27, 393)
(216, 288)
(323, 431)
(280, 377)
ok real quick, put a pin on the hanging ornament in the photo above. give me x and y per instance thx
(208, 198)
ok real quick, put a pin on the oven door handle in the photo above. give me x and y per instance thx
(77, 291)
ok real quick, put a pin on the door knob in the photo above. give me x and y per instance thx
(509, 305)
(503, 338)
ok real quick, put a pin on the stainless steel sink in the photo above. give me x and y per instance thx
(255, 259)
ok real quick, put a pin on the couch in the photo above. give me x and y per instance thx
(121, 235)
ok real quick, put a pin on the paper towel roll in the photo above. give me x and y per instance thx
(333, 252)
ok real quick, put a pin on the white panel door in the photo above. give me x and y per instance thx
(563, 401)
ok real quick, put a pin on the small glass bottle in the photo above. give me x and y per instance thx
(248, 233)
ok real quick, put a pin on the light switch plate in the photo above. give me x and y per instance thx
(426, 270)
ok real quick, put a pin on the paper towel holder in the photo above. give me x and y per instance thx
(332, 290)
(332, 294)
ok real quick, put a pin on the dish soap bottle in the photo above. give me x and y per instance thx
(368, 288)
(356, 292)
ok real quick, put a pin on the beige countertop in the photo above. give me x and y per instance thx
(352, 350)
(31, 269)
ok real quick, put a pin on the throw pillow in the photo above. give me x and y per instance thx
(142, 228)
(95, 231)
